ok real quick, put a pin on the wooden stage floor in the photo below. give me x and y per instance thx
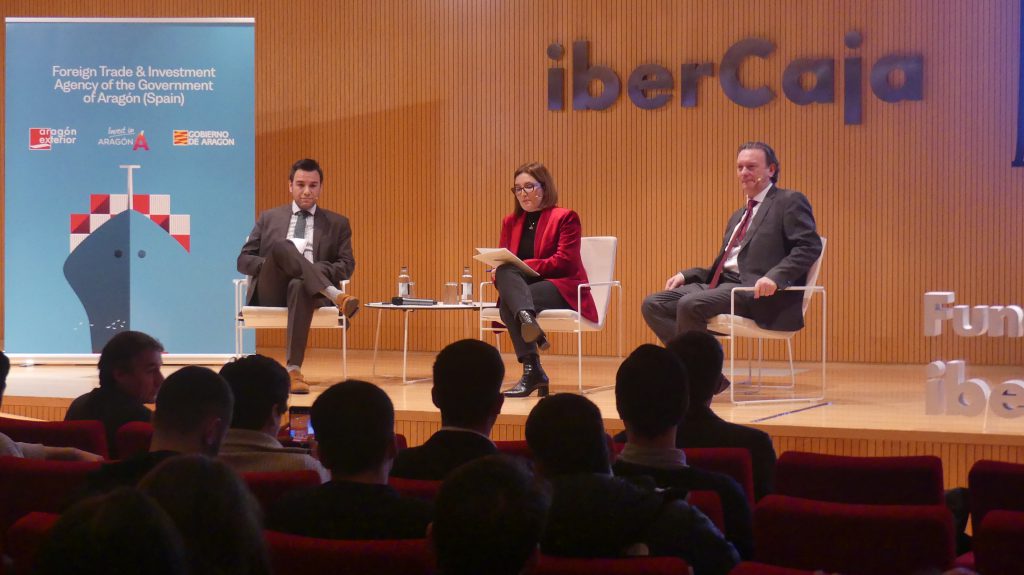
(868, 410)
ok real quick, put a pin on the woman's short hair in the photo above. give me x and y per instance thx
(539, 172)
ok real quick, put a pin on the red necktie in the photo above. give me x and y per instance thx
(736, 239)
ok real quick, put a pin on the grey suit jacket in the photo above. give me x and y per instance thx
(332, 244)
(782, 244)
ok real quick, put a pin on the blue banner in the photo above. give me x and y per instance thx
(130, 151)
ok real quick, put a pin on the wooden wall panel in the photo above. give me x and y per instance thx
(419, 112)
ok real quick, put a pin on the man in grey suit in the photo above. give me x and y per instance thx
(769, 244)
(296, 256)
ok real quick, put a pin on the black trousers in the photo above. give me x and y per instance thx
(287, 279)
(519, 292)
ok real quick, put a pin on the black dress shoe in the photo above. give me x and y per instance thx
(533, 378)
(530, 329)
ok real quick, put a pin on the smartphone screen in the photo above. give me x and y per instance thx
(300, 428)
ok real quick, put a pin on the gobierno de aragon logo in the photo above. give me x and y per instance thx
(45, 138)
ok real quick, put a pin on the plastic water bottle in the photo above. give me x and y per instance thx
(467, 285)
(403, 282)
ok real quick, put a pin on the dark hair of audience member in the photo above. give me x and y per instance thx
(702, 356)
(489, 517)
(189, 397)
(651, 390)
(259, 385)
(355, 426)
(120, 351)
(218, 518)
(5, 369)
(467, 382)
(123, 532)
(566, 435)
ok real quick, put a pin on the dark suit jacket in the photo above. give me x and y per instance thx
(112, 407)
(556, 248)
(595, 515)
(332, 244)
(781, 244)
(703, 428)
(348, 510)
(739, 528)
(442, 453)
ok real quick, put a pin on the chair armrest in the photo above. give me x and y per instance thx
(343, 286)
(579, 290)
(732, 293)
(481, 292)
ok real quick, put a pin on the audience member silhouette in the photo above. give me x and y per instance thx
(702, 356)
(467, 390)
(489, 517)
(193, 412)
(216, 515)
(123, 532)
(130, 377)
(651, 394)
(594, 514)
(260, 386)
(355, 434)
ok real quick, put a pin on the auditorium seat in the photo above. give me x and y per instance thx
(755, 568)
(28, 485)
(994, 485)
(401, 442)
(133, 438)
(709, 503)
(853, 539)
(270, 486)
(297, 555)
(85, 435)
(25, 537)
(913, 480)
(517, 448)
(551, 565)
(419, 488)
(732, 461)
(997, 543)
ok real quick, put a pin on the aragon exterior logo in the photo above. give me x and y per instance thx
(39, 139)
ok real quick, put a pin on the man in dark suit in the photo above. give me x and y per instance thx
(130, 377)
(702, 356)
(770, 245)
(652, 395)
(467, 390)
(355, 432)
(297, 255)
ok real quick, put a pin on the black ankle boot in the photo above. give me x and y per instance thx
(530, 329)
(533, 378)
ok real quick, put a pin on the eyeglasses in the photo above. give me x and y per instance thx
(527, 187)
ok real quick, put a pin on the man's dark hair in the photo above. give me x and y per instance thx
(566, 435)
(769, 155)
(5, 369)
(489, 517)
(467, 382)
(120, 351)
(702, 356)
(651, 390)
(120, 532)
(259, 385)
(189, 397)
(306, 165)
(354, 423)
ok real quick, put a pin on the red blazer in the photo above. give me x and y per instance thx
(556, 251)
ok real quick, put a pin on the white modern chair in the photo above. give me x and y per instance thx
(259, 317)
(598, 255)
(733, 326)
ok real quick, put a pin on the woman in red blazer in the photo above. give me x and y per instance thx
(547, 238)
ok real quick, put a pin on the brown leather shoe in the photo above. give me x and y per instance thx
(348, 304)
(299, 384)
